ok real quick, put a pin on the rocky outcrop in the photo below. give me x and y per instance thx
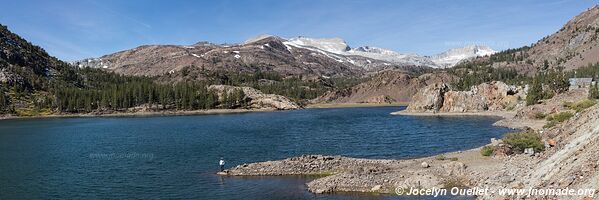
(256, 99)
(429, 98)
(494, 96)
(9, 78)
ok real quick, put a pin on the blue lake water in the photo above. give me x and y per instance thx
(175, 157)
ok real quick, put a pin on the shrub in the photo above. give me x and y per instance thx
(452, 182)
(453, 159)
(560, 117)
(523, 140)
(568, 104)
(440, 157)
(584, 104)
(550, 124)
(540, 115)
(594, 92)
(581, 105)
(511, 106)
(486, 151)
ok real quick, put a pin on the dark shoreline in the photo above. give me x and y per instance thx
(142, 114)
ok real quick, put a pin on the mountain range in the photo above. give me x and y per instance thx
(325, 57)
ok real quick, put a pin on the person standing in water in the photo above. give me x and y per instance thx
(221, 162)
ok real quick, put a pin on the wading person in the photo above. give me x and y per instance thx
(221, 163)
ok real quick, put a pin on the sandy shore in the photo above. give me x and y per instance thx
(143, 114)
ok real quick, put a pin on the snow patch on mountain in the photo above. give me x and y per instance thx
(333, 45)
(452, 57)
(338, 48)
(257, 38)
(291, 43)
(391, 56)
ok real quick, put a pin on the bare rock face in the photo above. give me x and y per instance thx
(4, 76)
(492, 96)
(257, 99)
(429, 98)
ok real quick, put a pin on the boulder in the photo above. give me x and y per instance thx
(376, 188)
(424, 165)
(551, 142)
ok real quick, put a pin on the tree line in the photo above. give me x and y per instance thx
(105, 91)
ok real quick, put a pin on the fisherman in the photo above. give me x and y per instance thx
(221, 162)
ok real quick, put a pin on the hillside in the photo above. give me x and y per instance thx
(266, 54)
(385, 87)
(33, 83)
(27, 73)
(572, 47)
(310, 58)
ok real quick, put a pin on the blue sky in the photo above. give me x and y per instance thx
(78, 29)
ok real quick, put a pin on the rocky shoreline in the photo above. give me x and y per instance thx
(569, 163)
(345, 174)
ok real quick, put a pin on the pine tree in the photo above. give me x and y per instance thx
(535, 93)
(594, 92)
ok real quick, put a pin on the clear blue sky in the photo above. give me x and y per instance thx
(89, 28)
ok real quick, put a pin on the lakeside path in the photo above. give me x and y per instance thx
(344, 174)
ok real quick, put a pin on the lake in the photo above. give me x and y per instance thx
(175, 157)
